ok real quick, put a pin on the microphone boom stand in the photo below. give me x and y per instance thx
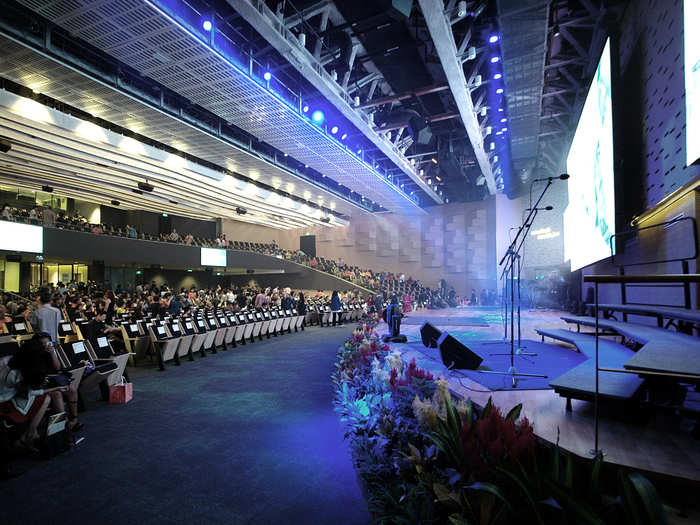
(512, 256)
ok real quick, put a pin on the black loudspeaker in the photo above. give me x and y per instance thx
(420, 130)
(307, 244)
(455, 355)
(430, 335)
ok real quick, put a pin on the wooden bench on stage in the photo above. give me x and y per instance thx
(674, 315)
(663, 351)
(579, 382)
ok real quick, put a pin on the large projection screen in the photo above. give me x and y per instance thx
(589, 219)
(17, 237)
(212, 257)
(691, 46)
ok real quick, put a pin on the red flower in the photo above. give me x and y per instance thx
(494, 440)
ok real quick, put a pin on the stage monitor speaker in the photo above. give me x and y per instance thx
(429, 335)
(455, 355)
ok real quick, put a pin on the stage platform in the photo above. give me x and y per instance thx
(654, 446)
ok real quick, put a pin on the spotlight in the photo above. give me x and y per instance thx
(359, 151)
(495, 59)
(499, 91)
(433, 160)
(555, 30)
(286, 154)
(114, 203)
(497, 76)
(305, 109)
(500, 110)
(241, 211)
(461, 9)
(334, 130)
(493, 39)
(267, 75)
(206, 25)
(317, 116)
(5, 145)
(344, 136)
(47, 189)
(325, 219)
(483, 111)
(302, 39)
(504, 130)
(145, 186)
(504, 119)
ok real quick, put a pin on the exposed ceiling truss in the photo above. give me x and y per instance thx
(164, 46)
(551, 51)
(277, 31)
(440, 27)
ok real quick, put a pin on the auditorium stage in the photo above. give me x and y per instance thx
(654, 446)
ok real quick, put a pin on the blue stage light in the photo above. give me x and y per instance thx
(495, 59)
(499, 91)
(206, 25)
(504, 130)
(344, 136)
(500, 110)
(317, 116)
(497, 76)
(504, 119)
(493, 39)
(334, 130)
(267, 75)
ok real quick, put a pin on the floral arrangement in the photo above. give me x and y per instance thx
(424, 457)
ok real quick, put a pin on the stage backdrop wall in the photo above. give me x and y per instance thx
(544, 246)
(455, 241)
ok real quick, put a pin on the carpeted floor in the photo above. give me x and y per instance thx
(244, 436)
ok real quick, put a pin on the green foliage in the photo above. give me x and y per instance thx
(462, 465)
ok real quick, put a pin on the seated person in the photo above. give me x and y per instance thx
(174, 236)
(69, 392)
(22, 398)
(97, 327)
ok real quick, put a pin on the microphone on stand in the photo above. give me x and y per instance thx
(546, 208)
(563, 176)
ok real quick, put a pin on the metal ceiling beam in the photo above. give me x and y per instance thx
(403, 96)
(266, 23)
(310, 12)
(435, 118)
(443, 39)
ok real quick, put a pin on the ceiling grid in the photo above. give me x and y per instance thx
(211, 81)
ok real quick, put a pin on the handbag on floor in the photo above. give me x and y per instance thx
(121, 393)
